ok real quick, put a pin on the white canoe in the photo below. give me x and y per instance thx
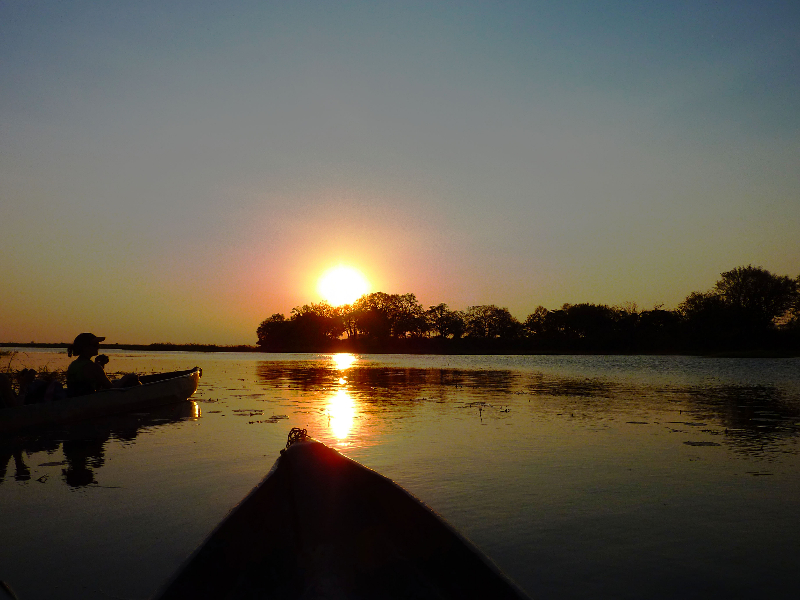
(156, 390)
(321, 525)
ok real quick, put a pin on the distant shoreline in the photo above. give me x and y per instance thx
(393, 349)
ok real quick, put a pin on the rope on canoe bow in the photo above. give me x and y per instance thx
(296, 435)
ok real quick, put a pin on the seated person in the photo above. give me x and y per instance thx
(8, 397)
(27, 383)
(32, 389)
(43, 390)
(127, 380)
(85, 376)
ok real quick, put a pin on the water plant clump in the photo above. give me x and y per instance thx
(19, 378)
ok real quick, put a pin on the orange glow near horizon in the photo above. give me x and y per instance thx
(342, 285)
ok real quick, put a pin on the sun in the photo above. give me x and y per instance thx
(342, 285)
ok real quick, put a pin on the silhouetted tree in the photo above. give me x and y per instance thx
(747, 308)
(627, 318)
(792, 317)
(349, 325)
(708, 321)
(372, 315)
(490, 321)
(408, 316)
(273, 333)
(590, 326)
(316, 323)
(444, 322)
(584, 327)
(534, 323)
(740, 311)
(381, 315)
(758, 296)
(657, 330)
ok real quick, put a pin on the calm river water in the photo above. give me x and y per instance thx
(581, 476)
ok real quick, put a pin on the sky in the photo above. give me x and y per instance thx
(180, 171)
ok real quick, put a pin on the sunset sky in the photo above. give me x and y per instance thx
(179, 171)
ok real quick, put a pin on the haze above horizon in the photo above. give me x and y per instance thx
(182, 171)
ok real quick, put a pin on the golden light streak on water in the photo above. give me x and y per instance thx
(341, 411)
(343, 360)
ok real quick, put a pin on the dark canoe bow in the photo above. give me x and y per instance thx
(156, 390)
(321, 525)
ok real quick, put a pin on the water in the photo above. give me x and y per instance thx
(582, 477)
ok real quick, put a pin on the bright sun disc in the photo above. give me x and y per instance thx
(342, 285)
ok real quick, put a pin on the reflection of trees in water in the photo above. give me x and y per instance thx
(757, 419)
(405, 381)
(297, 375)
(573, 386)
(592, 400)
(384, 383)
(83, 444)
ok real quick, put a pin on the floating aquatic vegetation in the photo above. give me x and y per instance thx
(272, 419)
(247, 412)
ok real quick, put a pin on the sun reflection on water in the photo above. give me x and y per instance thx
(341, 414)
(343, 360)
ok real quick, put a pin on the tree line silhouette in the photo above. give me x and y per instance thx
(748, 310)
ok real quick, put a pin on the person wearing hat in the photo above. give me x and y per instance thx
(85, 376)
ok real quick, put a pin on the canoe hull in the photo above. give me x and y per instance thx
(155, 391)
(323, 526)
